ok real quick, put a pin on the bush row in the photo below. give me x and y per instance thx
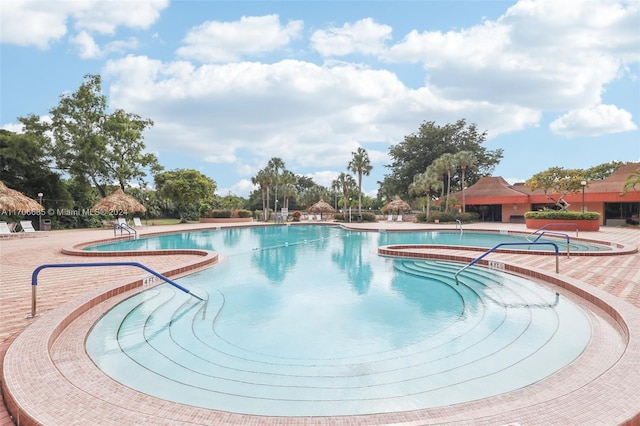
(562, 214)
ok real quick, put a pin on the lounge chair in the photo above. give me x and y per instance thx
(399, 218)
(137, 223)
(27, 226)
(390, 218)
(5, 230)
(122, 221)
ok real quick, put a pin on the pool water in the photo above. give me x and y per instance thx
(309, 321)
(238, 240)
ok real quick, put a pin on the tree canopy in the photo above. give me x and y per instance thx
(417, 151)
(90, 144)
(185, 188)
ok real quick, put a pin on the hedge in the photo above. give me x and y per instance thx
(562, 215)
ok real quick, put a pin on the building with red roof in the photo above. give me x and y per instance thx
(498, 201)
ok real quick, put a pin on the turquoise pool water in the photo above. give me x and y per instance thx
(236, 240)
(309, 321)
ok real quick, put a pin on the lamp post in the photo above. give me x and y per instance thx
(349, 209)
(146, 213)
(40, 195)
(583, 183)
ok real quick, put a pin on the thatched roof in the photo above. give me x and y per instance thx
(615, 182)
(397, 205)
(118, 203)
(12, 200)
(321, 207)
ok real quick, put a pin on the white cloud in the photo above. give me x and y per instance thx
(308, 115)
(41, 23)
(364, 36)
(106, 16)
(215, 42)
(594, 121)
(540, 54)
(86, 45)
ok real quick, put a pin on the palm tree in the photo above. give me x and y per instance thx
(438, 168)
(263, 180)
(424, 183)
(274, 166)
(631, 181)
(344, 183)
(288, 180)
(447, 161)
(361, 165)
(466, 159)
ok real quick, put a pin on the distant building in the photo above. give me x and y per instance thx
(497, 201)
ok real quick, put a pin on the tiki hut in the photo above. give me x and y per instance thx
(397, 205)
(16, 201)
(118, 204)
(321, 207)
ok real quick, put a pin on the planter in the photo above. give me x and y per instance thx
(225, 219)
(564, 224)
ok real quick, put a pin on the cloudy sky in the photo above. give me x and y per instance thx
(230, 84)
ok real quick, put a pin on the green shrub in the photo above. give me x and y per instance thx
(220, 214)
(244, 213)
(443, 217)
(562, 215)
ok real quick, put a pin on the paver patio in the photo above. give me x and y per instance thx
(617, 275)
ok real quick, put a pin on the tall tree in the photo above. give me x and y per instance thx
(274, 166)
(263, 180)
(345, 184)
(186, 188)
(466, 160)
(90, 144)
(288, 181)
(425, 183)
(126, 159)
(417, 151)
(360, 165)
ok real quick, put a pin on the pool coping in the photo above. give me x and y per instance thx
(623, 409)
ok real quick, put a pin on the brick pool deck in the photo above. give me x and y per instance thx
(587, 392)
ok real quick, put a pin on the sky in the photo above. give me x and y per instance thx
(231, 84)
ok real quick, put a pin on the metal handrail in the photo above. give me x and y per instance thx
(554, 233)
(558, 224)
(125, 227)
(492, 249)
(459, 223)
(34, 277)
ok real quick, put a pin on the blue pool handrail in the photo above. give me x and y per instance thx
(566, 236)
(492, 249)
(558, 224)
(34, 276)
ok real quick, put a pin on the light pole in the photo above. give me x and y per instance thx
(349, 209)
(146, 213)
(40, 195)
(583, 183)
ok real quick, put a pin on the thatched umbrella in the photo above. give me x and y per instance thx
(118, 203)
(12, 200)
(321, 207)
(397, 205)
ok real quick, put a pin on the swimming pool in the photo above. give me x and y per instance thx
(306, 320)
(229, 239)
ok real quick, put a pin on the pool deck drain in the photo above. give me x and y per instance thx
(617, 394)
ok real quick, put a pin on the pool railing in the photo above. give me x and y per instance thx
(567, 238)
(124, 227)
(548, 225)
(492, 249)
(34, 277)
